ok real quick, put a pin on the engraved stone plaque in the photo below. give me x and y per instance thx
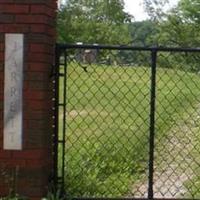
(13, 89)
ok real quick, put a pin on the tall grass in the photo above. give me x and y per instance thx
(108, 124)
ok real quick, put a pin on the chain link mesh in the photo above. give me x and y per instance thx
(177, 152)
(108, 119)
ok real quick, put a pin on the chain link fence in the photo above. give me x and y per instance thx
(128, 122)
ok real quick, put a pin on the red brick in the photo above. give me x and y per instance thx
(40, 57)
(51, 31)
(37, 28)
(35, 163)
(14, 28)
(35, 114)
(40, 38)
(4, 18)
(5, 154)
(38, 9)
(39, 85)
(38, 123)
(35, 95)
(29, 154)
(14, 162)
(42, 9)
(14, 9)
(36, 76)
(1, 45)
(31, 19)
(33, 190)
(2, 37)
(1, 56)
(7, 1)
(37, 105)
(35, 18)
(38, 67)
(38, 48)
(4, 191)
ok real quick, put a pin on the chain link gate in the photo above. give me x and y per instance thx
(127, 122)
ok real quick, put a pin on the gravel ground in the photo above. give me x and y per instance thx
(175, 162)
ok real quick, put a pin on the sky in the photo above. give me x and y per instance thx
(135, 8)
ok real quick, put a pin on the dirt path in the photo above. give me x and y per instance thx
(175, 162)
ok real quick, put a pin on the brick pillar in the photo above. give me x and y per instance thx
(28, 171)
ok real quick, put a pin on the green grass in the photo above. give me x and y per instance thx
(108, 124)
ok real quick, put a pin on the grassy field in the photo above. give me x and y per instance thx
(108, 124)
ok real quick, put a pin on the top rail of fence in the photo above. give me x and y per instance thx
(124, 47)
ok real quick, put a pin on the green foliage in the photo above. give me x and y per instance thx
(180, 26)
(154, 8)
(189, 10)
(52, 195)
(142, 33)
(89, 21)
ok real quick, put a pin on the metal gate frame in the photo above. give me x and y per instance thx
(61, 49)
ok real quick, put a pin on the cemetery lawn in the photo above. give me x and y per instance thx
(107, 132)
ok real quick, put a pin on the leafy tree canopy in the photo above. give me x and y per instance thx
(89, 21)
(179, 27)
(142, 33)
(154, 8)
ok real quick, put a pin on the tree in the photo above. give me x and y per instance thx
(142, 33)
(89, 21)
(180, 26)
(189, 10)
(154, 8)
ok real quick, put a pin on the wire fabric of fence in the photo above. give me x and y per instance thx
(132, 122)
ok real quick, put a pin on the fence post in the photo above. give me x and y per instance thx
(152, 122)
(26, 169)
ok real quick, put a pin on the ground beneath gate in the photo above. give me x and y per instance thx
(176, 162)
